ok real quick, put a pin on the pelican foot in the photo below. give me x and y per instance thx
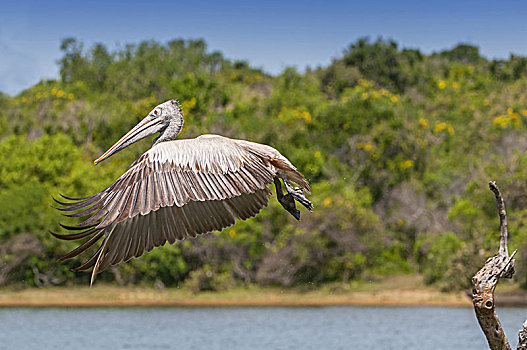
(288, 203)
(298, 194)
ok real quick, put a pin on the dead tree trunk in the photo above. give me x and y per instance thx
(484, 283)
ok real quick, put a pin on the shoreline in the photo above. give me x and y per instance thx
(402, 290)
(94, 304)
(373, 301)
(141, 297)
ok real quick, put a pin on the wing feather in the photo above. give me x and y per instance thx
(179, 228)
(166, 232)
(89, 263)
(157, 232)
(194, 226)
(128, 242)
(141, 235)
(214, 186)
(115, 239)
(102, 211)
(149, 196)
(165, 200)
(133, 239)
(182, 187)
(149, 240)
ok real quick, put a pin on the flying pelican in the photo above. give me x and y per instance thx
(178, 189)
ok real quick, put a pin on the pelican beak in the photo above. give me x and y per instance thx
(146, 127)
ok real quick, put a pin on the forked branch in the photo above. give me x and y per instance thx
(484, 283)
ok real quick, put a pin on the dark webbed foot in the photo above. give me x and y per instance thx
(288, 203)
(288, 200)
(297, 193)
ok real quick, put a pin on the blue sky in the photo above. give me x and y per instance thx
(270, 34)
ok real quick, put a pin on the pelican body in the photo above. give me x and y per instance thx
(178, 189)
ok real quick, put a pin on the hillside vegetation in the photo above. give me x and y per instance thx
(398, 147)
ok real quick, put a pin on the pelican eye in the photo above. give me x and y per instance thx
(157, 112)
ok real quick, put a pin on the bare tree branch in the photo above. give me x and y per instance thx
(485, 280)
(504, 233)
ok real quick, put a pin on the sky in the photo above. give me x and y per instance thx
(269, 34)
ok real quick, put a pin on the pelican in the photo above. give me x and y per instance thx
(178, 189)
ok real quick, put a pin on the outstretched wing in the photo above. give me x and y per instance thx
(175, 190)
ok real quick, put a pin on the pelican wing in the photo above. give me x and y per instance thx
(175, 190)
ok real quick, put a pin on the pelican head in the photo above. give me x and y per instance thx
(166, 118)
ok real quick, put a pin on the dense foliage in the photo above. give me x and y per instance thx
(398, 146)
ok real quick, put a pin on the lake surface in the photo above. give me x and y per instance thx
(343, 327)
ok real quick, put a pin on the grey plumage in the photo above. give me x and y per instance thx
(178, 189)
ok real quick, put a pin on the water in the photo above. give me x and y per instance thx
(249, 328)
